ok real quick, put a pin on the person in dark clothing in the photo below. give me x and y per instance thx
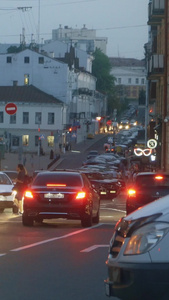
(20, 185)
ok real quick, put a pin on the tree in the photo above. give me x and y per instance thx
(101, 70)
(105, 81)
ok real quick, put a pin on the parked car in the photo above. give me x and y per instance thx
(147, 187)
(7, 195)
(138, 259)
(61, 194)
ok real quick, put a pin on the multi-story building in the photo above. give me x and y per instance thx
(71, 88)
(83, 38)
(130, 75)
(157, 51)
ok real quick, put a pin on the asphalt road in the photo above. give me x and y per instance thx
(57, 259)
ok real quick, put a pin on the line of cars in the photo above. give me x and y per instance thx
(138, 260)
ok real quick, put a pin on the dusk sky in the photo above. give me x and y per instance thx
(123, 22)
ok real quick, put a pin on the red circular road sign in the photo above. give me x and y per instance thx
(11, 108)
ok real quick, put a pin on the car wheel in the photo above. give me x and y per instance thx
(1, 210)
(97, 218)
(27, 221)
(86, 220)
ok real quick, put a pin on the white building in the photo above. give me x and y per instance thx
(38, 122)
(130, 76)
(83, 38)
(73, 88)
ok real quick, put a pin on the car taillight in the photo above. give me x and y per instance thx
(56, 185)
(159, 177)
(80, 195)
(28, 194)
(131, 193)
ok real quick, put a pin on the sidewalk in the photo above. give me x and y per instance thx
(35, 162)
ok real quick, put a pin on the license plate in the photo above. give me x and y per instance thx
(54, 196)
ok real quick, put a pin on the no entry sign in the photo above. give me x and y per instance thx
(11, 108)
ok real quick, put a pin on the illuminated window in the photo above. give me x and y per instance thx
(50, 118)
(26, 79)
(50, 140)
(13, 119)
(25, 140)
(25, 118)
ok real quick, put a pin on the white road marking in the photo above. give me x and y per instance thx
(2, 254)
(94, 247)
(54, 239)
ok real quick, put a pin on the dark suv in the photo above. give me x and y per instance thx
(61, 194)
(147, 187)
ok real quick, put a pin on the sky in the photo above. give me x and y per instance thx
(123, 22)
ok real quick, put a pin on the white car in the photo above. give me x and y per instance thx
(138, 260)
(7, 195)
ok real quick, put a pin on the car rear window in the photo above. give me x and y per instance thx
(68, 179)
(154, 180)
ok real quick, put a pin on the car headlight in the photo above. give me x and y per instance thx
(145, 238)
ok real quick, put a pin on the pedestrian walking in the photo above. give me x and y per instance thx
(19, 186)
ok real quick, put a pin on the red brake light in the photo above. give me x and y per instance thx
(132, 192)
(55, 185)
(28, 194)
(80, 195)
(159, 177)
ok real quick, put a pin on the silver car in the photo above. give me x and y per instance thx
(7, 195)
(138, 260)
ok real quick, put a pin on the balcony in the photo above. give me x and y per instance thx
(156, 12)
(156, 66)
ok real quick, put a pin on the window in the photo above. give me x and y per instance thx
(15, 140)
(142, 81)
(13, 119)
(119, 80)
(15, 83)
(129, 80)
(25, 140)
(26, 59)
(38, 118)
(37, 140)
(137, 81)
(1, 117)
(41, 60)
(50, 118)
(50, 140)
(9, 59)
(26, 79)
(25, 118)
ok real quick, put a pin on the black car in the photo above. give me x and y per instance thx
(61, 194)
(147, 187)
(107, 187)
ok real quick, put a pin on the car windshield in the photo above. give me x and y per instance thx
(152, 181)
(63, 179)
(4, 179)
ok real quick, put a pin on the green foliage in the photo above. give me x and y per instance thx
(101, 70)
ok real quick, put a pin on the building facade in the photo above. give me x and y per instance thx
(157, 51)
